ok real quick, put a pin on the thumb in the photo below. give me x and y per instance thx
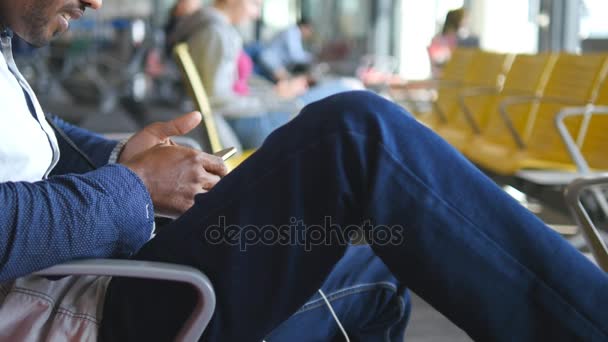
(178, 126)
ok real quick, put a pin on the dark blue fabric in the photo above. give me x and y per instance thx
(466, 247)
(94, 145)
(101, 214)
(366, 297)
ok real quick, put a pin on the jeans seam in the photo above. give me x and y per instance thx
(345, 292)
(387, 334)
(450, 207)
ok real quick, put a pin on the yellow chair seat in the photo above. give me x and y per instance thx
(507, 161)
(458, 138)
(235, 161)
(492, 156)
(429, 120)
(527, 162)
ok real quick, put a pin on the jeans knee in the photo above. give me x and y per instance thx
(361, 111)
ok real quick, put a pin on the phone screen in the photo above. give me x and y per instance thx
(225, 154)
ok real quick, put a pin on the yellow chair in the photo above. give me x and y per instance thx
(534, 142)
(197, 91)
(591, 234)
(486, 76)
(528, 78)
(456, 69)
(479, 108)
(586, 147)
(453, 75)
(485, 71)
(592, 139)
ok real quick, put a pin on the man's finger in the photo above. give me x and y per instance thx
(178, 126)
(215, 165)
(210, 181)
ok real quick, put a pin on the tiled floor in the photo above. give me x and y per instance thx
(428, 325)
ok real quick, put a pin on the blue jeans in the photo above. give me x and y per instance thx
(354, 160)
(366, 297)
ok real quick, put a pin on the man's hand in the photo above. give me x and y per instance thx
(159, 133)
(174, 175)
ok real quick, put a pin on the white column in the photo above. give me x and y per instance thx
(505, 26)
(417, 31)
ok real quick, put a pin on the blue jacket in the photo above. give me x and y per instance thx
(76, 213)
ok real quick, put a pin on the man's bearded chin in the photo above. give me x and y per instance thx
(34, 29)
(37, 37)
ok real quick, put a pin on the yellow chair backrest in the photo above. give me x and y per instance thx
(528, 76)
(576, 79)
(195, 86)
(456, 68)
(452, 77)
(487, 69)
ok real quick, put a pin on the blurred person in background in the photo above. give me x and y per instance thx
(181, 9)
(455, 33)
(252, 106)
(285, 54)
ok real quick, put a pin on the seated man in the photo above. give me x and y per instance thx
(274, 230)
(104, 212)
(285, 52)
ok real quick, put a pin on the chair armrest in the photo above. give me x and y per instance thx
(474, 92)
(403, 93)
(572, 146)
(196, 324)
(489, 91)
(590, 232)
(573, 150)
(517, 100)
(425, 84)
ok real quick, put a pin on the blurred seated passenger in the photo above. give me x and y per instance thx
(455, 33)
(181, 9)
(285, 53)
(253, 107)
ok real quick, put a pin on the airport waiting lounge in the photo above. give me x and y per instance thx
(304, 170)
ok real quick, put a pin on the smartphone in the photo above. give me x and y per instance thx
(225, 154)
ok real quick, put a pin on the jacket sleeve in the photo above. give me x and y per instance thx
(100, 214)
(295, 47)
(94, 145)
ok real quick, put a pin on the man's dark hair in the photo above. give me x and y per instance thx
(304, 22)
